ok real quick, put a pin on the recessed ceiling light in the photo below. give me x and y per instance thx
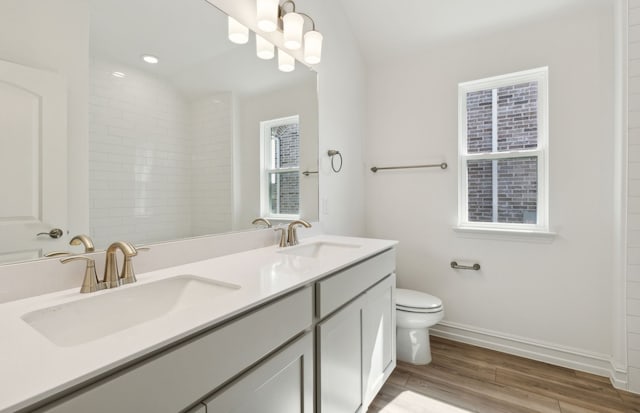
(150, 59)
(118, 74)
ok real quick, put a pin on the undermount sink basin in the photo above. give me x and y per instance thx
(99, 315)
(319, 249)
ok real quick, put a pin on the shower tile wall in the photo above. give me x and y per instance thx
(211, 180)
(143, 136)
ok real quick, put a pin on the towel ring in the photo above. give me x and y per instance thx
(333, 153)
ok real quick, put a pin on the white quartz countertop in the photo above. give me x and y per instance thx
(32, 368)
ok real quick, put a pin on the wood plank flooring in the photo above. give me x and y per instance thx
(463, 378)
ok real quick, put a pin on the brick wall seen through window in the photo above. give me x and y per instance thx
(284, 189)
(502, 149)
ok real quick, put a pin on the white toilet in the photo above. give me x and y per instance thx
(415, 313)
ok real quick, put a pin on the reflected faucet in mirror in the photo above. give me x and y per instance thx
(83, 240)
(261, 220)
(80, 239)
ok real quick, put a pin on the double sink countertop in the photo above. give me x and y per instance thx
(53, 342)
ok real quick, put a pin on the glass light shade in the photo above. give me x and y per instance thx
(312, 47)
(292, 23)
(238, 33)
(264, 48)
(267, 15)
(286, 62)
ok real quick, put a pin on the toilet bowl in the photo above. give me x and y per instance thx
(415, 313)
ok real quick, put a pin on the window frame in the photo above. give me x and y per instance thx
(265, 170)
(541, 75)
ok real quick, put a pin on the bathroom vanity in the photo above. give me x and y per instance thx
(297, 329)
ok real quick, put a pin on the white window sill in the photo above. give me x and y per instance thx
(506, 234)
(282, 218)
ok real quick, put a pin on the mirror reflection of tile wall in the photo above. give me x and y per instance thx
(173, 147)
(159, 162)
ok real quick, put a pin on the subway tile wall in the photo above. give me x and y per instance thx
(211, 169)
(633, 211)
(152, 154)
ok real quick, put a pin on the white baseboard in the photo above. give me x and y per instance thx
(576, 359)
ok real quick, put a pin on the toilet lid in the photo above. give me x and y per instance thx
(416, 301)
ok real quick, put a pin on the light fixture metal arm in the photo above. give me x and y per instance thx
(282, 11)
(282, 7)
(313, 24)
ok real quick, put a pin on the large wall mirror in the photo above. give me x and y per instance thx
(201, 142)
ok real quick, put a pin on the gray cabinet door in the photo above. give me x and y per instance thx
(282, 383)
(340, 360)
(378, 336)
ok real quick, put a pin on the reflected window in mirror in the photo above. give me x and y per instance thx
(280, 177)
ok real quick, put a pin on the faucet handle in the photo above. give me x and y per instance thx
(261, 220)
(90, 281)
(283, 236)
(128, 276)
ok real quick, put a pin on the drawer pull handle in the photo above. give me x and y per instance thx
(456, 266)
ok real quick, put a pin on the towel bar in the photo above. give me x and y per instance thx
(442, 165)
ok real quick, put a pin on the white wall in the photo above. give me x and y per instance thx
(298, 100)
(55, 36)
(550, 300)
(341, 93)
(633, 206)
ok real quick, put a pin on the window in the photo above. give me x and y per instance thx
(503, 152)
(280, 177)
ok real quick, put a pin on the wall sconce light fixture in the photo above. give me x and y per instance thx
(272, 15)
(286, 62)
(294, 35)
(267, 15)
(238, 33)
(264, 48)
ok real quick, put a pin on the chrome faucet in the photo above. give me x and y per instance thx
(292, 236)
(262, 221)
(111, 278)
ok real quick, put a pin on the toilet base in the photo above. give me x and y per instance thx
(412, 345)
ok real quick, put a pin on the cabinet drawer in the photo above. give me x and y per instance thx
(338, 289)
(186, 373)
(281, 384)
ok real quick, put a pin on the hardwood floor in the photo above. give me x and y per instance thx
(463, 378)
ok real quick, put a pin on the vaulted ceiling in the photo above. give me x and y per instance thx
(385, 29)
